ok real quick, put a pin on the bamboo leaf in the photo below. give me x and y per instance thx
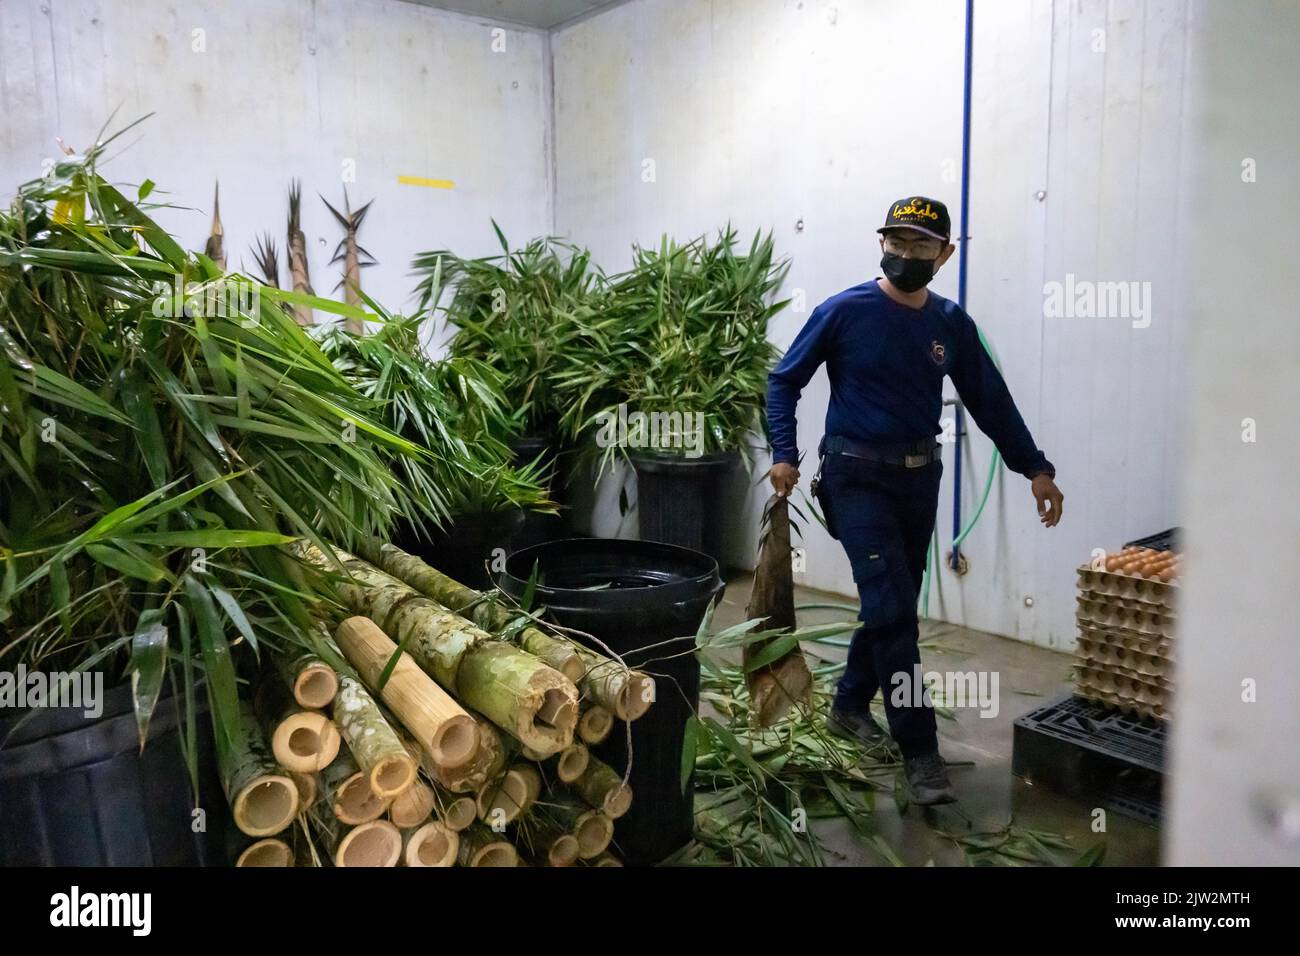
(148, 653)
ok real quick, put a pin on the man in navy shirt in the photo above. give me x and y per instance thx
(887, 345)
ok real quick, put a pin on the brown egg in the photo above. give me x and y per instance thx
(1112, 562)
(1168, 574)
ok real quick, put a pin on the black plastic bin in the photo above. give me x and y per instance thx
(79, 792)
(632, 595)
(680, 500)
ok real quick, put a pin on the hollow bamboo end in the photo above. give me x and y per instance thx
(376, 843)
(412, 807)
(501, 801)
(595, 724)
(266, 806)
(497, 853)
(269, 852)
(305, 742)
(432, 845)
(356, 803)
(618, 801)
(636, 696)
(316, 686)
(392, 776)
(593, 833)
(573, 761)
(455, 743)
(564, 851)
(460, 813)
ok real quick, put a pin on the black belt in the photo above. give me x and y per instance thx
(915, 454)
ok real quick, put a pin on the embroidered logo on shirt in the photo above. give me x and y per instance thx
(937, 352)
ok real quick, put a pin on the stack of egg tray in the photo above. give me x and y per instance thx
(1125, 652)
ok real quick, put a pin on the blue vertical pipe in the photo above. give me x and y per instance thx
(963, 238)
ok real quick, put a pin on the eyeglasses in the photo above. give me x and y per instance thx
(913, 248)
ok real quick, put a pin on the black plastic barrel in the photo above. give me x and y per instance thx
(644, 600)
(80, 792)
(680, 500)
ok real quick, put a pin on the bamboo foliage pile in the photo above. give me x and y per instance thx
(457, 746)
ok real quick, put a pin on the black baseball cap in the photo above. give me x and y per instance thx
(920, 213)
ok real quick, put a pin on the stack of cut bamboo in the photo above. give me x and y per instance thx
(438, 741)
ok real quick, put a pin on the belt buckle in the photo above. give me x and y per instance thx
(916, 461)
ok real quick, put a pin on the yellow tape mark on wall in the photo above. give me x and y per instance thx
(422, 181)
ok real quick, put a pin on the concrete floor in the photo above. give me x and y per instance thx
(990, 795)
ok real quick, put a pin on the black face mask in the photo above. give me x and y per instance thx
(907, 274)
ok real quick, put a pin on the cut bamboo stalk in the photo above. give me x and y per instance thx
(534, 703)
(312, 681)
(595, 724)
(556, 846)
(459, 813)
(488, 762)
(606, 859)
(303, 741)
(268, 852)
(440, 724)
(528, 699)
(502, 800)
(592, 829)
(376, 746)
(412, 807)
(479, 846)
(474, 605)
(375, 843)
(601, 787)
(572, 763)
(432, 844)
(348, 792)
(263, 798)
(626, 693)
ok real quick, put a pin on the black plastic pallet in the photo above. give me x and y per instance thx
(1092, 753)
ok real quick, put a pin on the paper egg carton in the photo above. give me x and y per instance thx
(1105, 613)
(1120, 660)
(1131, 604)
(1132, 684)
(1157, 645)
(1129, 586)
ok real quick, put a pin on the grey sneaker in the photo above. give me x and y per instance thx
(861, 728)
(927, 778)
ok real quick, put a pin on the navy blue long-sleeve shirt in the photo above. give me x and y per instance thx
(886, 364)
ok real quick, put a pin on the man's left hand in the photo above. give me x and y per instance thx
(1049, 499)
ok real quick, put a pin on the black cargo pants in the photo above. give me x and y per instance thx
(884, 516)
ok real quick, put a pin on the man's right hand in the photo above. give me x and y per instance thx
(784, 477)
